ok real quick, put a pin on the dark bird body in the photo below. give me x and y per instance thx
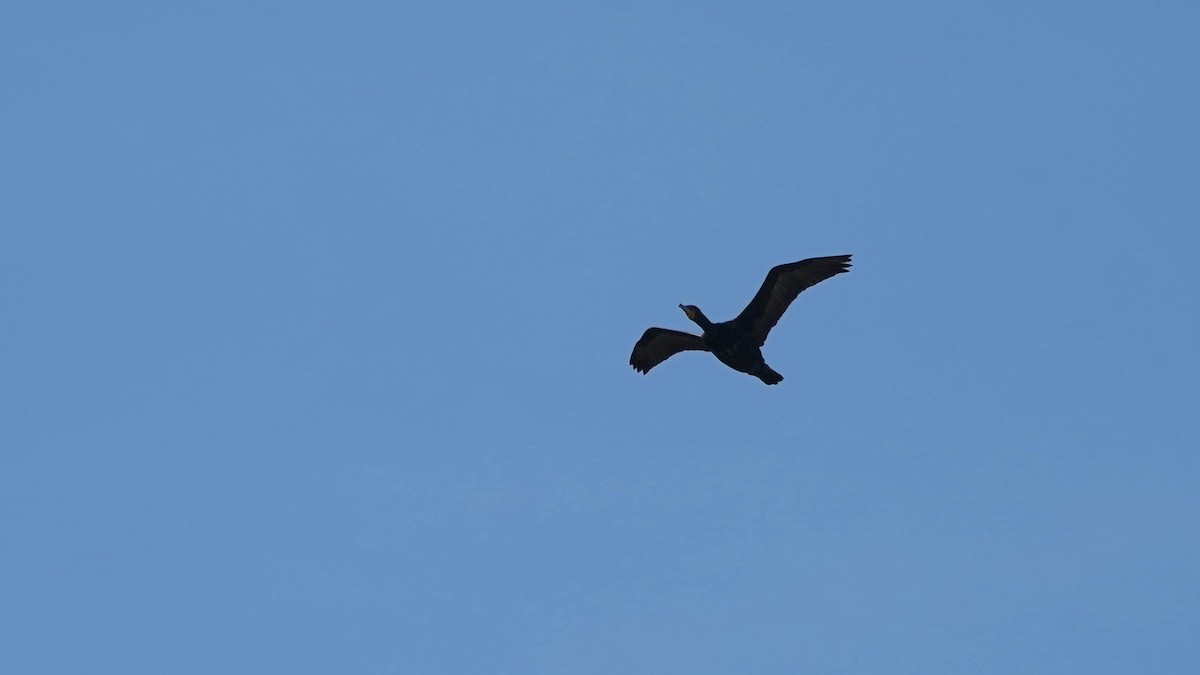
(738, 343)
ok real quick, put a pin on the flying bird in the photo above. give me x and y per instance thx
(738, 343)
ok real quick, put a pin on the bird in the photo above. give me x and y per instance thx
(738, 343)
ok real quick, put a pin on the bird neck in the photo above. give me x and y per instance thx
(701, 320)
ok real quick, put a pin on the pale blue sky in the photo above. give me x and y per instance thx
(317, 319)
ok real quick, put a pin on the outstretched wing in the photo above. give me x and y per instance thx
(781, 287)
(659, 344)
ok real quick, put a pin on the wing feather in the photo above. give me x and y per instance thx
(782, 285)
(659, 344)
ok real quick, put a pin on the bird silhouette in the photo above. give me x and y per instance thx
(738, 343)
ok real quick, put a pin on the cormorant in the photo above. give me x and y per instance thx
(737, 343)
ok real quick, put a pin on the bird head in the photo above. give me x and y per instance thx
(692, 311)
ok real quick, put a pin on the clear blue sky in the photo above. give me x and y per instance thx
(316, 320)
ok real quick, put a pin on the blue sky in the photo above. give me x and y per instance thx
(317, 320)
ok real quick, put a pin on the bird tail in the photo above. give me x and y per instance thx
(768, 376)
